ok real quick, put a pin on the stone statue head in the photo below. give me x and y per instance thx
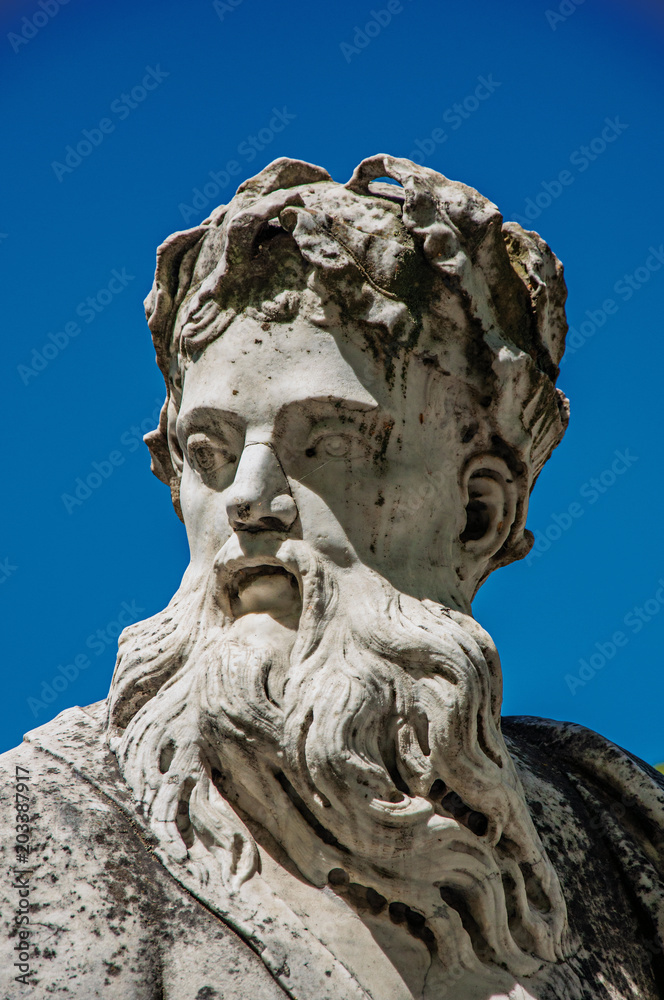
(360, 396)
(415, 338)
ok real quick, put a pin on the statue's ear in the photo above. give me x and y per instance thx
(490, 495)
(167, 462)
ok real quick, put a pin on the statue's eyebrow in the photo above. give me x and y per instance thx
(329, 405)
(208, 418)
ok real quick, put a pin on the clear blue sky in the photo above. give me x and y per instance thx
(170, 92)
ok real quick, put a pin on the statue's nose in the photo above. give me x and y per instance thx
(260, 498)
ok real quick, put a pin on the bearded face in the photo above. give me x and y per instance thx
(303, 681)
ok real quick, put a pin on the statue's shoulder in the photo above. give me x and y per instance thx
(69, 756)
(569, 752)
(88, 900)
(73, 726)
(47, 751)
(600, 813)
(62, 797)
(577, 777)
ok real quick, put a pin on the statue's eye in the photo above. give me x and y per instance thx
(206, 456)
(328, 446)
(336, 445)
(348, 445)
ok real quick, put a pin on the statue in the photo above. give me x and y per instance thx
(300, 784)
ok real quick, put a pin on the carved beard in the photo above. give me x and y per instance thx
(383, 764)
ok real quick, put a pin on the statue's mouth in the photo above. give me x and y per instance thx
(268, 587)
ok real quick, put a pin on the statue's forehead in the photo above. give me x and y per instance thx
(256, 369)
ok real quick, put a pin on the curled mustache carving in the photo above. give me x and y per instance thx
(382, 757)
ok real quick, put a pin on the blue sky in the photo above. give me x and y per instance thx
(554, 112)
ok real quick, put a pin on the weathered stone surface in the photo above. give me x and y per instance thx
(299, 784)
(116, 917)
